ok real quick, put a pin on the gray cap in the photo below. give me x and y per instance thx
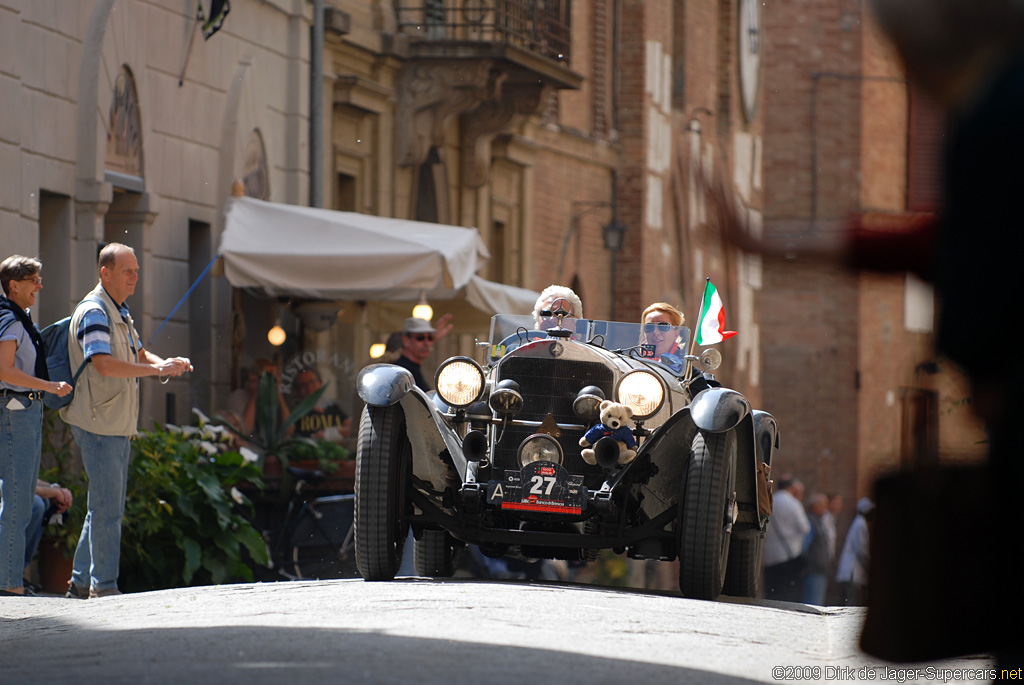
(415, 325)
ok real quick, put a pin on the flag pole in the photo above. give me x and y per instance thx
(693, 338)
(188, 53)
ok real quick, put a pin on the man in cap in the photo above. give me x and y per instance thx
(417, 341)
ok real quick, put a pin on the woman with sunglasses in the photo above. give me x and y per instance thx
(660, 329)
(23, 380)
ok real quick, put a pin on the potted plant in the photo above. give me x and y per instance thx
(57, 548)
(333, 459)
(186, 520)
(271, 437)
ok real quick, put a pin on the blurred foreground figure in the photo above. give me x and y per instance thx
(969, 56)
(941, 576)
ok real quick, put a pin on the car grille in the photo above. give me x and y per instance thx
(549, 386)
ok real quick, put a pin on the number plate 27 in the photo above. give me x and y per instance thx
(542, 486)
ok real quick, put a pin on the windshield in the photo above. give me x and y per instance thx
(659, 343)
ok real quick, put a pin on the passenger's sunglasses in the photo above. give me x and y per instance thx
(420, 337)
(661, 327)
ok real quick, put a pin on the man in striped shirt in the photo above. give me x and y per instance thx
(104, 413)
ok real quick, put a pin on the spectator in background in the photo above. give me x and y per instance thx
(818, 569)
(104, 413)
(418, 337)
(852, 573)
(327, 420)
(784, 542)
(23, 380)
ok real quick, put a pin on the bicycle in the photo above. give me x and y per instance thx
(316, 538)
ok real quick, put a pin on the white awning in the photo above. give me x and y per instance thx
(320, 253)
(293, 251)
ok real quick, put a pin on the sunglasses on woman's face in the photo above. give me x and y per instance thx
(661, 327)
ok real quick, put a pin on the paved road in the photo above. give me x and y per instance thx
(424, 631)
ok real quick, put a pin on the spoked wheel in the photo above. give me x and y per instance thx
(743, 575)
(382, 466)
(708, 513)
(437, 554)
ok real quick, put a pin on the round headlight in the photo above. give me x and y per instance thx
(641, 391)
(459, 381)
(540, 447)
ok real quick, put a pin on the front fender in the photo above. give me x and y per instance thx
(717, 410)
(381, 385)
(766, 435)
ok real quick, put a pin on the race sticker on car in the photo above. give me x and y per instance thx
(542, 486)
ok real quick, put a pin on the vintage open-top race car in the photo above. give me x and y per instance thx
(494, 459)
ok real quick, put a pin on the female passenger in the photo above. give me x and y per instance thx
(660, 328)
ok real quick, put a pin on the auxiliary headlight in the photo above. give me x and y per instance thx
(540, 447)
(587, 404)
(459, 381)
(506, 399)
(641, 391)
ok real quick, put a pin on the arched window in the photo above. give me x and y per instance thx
(254, 167)
(123, 164)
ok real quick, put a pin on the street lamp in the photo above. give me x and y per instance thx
(614, 231)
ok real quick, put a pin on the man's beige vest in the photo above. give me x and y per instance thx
(101, 404)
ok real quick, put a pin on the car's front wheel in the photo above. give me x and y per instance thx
(382, 464)
(708, 512)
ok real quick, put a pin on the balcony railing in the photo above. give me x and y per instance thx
(540, 26)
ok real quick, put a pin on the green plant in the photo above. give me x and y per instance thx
(58, 466)
(184, 522)
(271, 435)
(328, 455)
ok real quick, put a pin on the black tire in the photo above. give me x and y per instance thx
(706, 520)
(437, 554)
(382, 464)
(743, 574)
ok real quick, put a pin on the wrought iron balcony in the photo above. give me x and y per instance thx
(540, 27)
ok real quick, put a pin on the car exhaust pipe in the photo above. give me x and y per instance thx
(606, 451)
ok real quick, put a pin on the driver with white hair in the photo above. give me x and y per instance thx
(548, 302)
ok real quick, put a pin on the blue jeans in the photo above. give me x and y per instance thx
(21, 434)
(34, 533)
(98, 556)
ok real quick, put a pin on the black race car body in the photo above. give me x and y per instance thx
(494, 458)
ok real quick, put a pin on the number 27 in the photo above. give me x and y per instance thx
(538, 485)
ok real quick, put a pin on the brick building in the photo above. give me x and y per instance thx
(849, 367)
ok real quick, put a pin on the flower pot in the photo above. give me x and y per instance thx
(54, 567)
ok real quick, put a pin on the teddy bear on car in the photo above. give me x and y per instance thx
(614, 424)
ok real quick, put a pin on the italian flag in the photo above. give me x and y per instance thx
(711, 327)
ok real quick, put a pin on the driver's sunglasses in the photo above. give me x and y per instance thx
(661, 327)
(420, 337)
(549, 314)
